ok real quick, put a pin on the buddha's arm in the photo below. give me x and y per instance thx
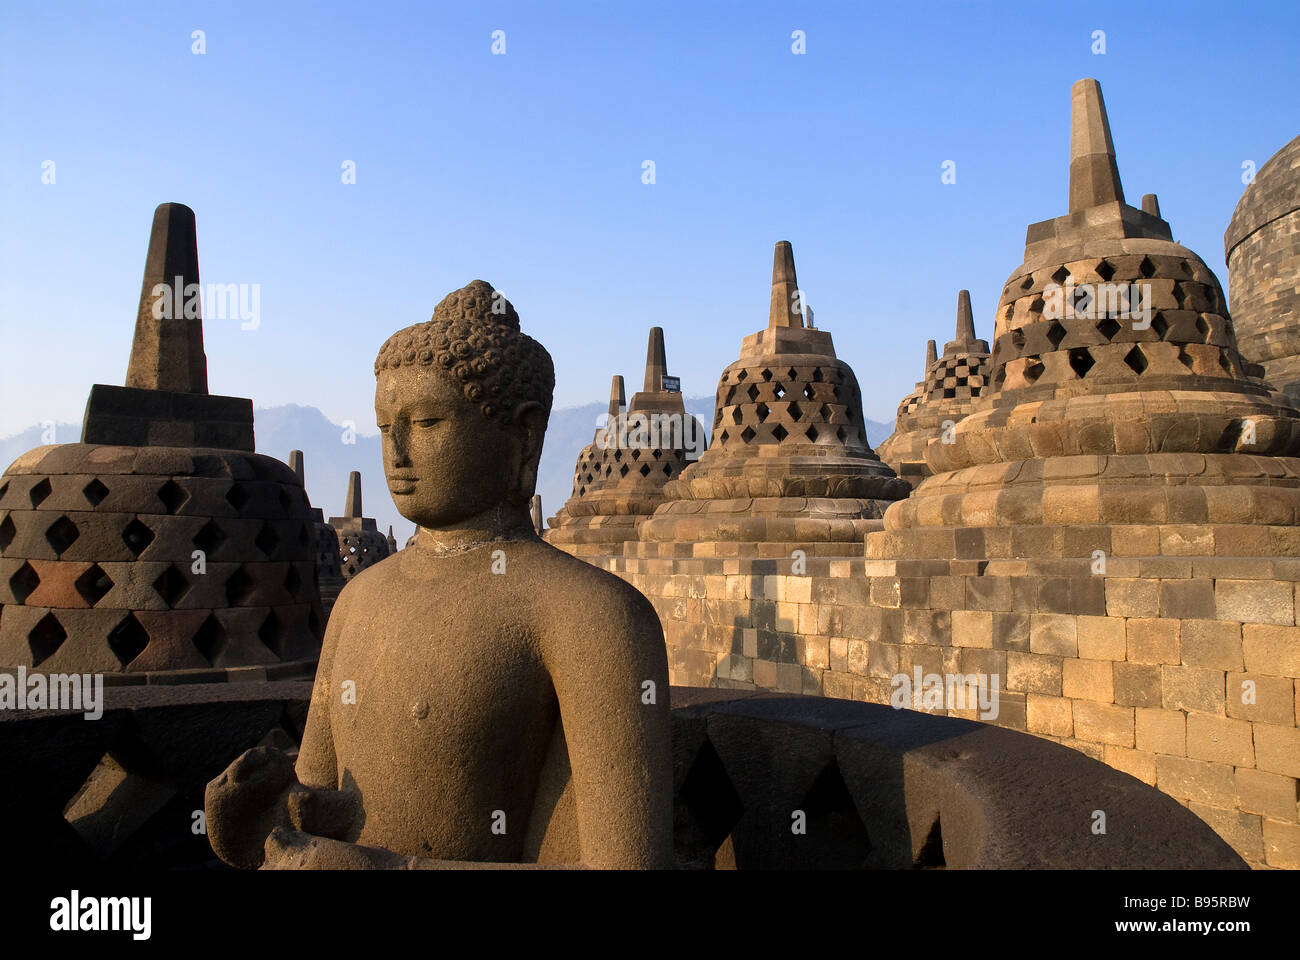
(611, 679)
(317, 764)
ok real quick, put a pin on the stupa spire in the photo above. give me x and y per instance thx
(656, 362)
(296, 465)
(1094, 176)
(352, 503)
(931, 353)
(785, 310)
(965, 319)
(617, 399)
(167, 351)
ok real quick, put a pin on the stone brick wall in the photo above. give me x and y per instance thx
(1141, 668)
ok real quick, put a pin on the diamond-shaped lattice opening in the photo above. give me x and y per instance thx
(622, 471)
(752, 392)
(1108, 327)
(656, 453)
(210, 538)
(780, 433)
(272, 634)
(24, 581)
(767, 374)
(1033, 370)
(645, 469)
(808, 392)
(1203, 327)
(1081, 362)
(1037, 305)
(137, 536)
(791, 374)
(1061, 275)
(848, 414)
(618, 455)
(62, 534)
(237, 496)
(668, 469)
(39, 492)
(1105, 270)
(740, 377)
(304, 536)
(239, 588)
(128, 639)
(736, 415)
(1225, 363)
(762, 411)
(45, 638)
(267, 540)
(1028, 282)
(796, 411)
(1180, 295)
(833, 817)
(172, 495)
(7, 533)
(1160, 325)
(747, 434)
(1136, 360)
(1147, 268)
(708, 809)
(636, 454)
(1187, 361)
(4, 488)
(210, 639)
(723, 437)
(171, 585)
(93, 584)
(778, 391)
(1055, 334)
(930, 856)
(811, 433)
(841, 435)
(825, 412)
(94, 492)
(283, 498)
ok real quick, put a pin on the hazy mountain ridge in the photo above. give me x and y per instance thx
(329, 459)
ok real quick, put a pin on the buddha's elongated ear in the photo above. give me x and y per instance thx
(530, 420)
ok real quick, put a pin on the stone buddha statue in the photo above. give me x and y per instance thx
(483, 699)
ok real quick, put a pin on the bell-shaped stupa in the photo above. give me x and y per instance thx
(789, 461)
(360, 544)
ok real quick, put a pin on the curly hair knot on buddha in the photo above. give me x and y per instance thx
(474, 336)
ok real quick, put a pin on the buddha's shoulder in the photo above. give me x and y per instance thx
(566, 580)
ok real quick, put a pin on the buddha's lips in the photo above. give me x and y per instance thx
(401, 484)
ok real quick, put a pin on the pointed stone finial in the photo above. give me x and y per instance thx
(296, 465)
(931, 354)
(536, 508)
(809, 318)
(965, 319)
(784, 310)
(1094, 177)
(656, 361)
(352, 504)
(1150, 204)
(392, 540)
(167, 351)
(617, 399)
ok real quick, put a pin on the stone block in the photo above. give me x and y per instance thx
(1197, 780)
(1136, 763)
(1193, 688)
(1049, 715)
(1220, 739)
(1255, 601)
(1273, 650)
(1054, 634)
(1267, 794)
(1135, 540)
(1211, 643)
(1101, 638)
(972, 628)
(1034, 673)
(1137, 684)
(1132, 597)
(1153, 641)
(1271, 699)
(1103, 723)
(1282, 845)
(1187, 599)
(1088, 680)
(1277, 749)
(1011, 631)
(1242, 831)
(1161, 731)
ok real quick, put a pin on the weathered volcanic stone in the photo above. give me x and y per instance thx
(1262, 250)
(357, 538)
(952, 383)
(789, 460)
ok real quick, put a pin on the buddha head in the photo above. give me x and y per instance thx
(462, 403)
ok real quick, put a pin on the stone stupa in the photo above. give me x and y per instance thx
(952, 383)
(329, 574)
(789, 461)
(161, 544)
(620, 476)
(360, 544)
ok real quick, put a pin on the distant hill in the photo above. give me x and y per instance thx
(329, 460)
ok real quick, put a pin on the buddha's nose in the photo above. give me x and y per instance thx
(400, 435)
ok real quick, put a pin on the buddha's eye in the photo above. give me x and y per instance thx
(385, 427)
(426, 423)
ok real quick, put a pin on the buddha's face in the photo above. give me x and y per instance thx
(445, 462)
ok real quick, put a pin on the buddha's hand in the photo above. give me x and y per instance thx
(247, 802)
(288, 849)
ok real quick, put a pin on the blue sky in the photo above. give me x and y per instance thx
(525, 169)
